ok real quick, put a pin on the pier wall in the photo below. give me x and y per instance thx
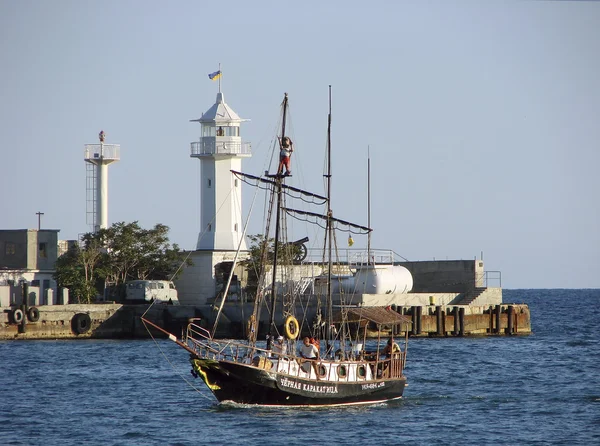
(488, 296)
(102, 321)
(113, 321)
(445, 276)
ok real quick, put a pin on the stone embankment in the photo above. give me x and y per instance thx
(113, 321)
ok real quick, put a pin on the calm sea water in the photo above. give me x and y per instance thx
(533, 390)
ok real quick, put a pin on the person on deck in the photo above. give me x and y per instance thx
(279, 347)
(308, 350)
(287, 147)
(391, 347)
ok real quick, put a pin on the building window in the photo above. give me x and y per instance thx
(10, 249)
(209, 182)
(43, 250)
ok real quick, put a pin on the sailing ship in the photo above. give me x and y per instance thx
(282, 373)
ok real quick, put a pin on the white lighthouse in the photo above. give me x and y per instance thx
(98, 157)
(220, 149)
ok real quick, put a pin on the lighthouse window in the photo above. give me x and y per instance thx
(208, 130)
(232, 131)
(209, 182)
(209, 227)
(235, 182)
(235, 227)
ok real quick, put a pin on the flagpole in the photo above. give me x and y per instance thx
(220, 77)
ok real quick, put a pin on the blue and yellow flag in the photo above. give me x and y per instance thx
(214, 76)
(350, 240)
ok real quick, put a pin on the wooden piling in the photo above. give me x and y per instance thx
(456, 323)
(413, 311)
(444, 322)
(461, 323)
(509, 328)
(24, 309)
(498, 312)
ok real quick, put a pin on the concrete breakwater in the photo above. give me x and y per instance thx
(79, 321)
(113, 321)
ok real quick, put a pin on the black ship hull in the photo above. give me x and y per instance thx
(247, 384)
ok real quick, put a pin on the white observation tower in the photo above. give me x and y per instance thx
(220, 149)
(98, 157)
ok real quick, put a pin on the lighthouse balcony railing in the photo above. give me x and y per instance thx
(102, 151)
(208, 146)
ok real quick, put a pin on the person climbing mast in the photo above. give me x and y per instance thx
(287, 147)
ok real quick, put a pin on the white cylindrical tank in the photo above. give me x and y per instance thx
(338, 283)
(383, 279)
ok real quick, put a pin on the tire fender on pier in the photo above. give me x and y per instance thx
(16, 316)
(33, 314)
(81, 323)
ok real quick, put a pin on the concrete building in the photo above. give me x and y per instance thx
(28, 255)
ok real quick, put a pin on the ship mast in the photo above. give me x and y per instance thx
(329, 232)
(369, 204)
(278, 181)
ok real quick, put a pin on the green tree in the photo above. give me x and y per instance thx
(123, 252)
(79, 269)
(261, 255)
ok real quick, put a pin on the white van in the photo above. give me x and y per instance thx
(140, 291)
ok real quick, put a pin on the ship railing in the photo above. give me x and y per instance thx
(201, 341)
(330, 371)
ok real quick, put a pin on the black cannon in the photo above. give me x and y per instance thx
(300, 251)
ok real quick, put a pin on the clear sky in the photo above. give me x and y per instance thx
(482, 117)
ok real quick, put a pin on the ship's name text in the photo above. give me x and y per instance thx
(307, 387)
